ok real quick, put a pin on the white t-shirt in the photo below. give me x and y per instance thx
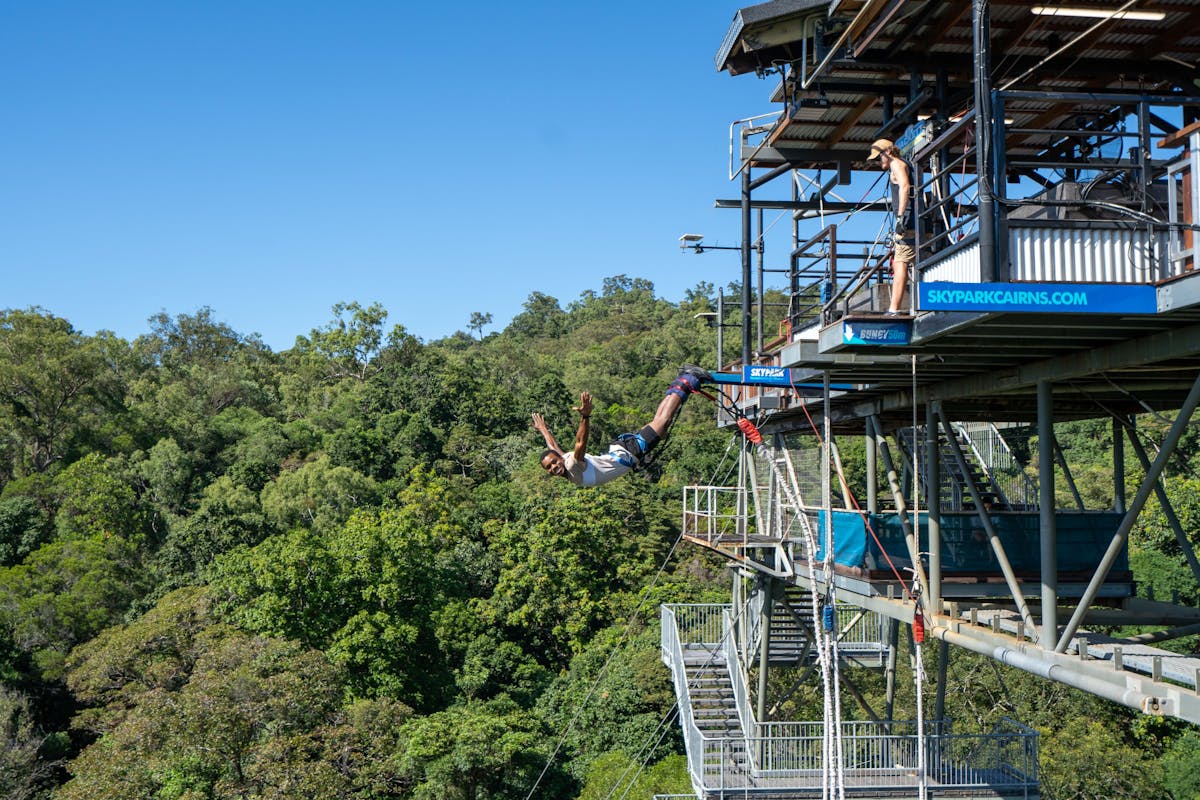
(596, 470)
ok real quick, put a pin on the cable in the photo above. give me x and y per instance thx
(665, 721)
(604, 669)
(866, 520)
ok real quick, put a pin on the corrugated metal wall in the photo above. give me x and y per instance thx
(1086, 256)
(961, 267)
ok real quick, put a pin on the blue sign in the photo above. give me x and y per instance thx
(766, 376)
(771, 376)
(1074, 298)
(894, 332)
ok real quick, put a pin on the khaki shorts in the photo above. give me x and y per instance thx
(903, 251)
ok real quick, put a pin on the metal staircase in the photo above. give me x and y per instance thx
(731, 755)
(714, 705)
(957, 478)
(791, 629)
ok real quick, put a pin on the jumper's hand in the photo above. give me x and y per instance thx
(585, 404)
(539, 422)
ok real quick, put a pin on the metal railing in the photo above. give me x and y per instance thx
(672, 651)
(1183, 202)
(738, 676)
(990, 446)
(788, 756)
(860, 630)
(715, 513)
(1098, 201)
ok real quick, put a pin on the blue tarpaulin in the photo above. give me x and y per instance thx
(1082, 540)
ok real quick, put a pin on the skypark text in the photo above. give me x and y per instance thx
(1086, 298)
(996, 297)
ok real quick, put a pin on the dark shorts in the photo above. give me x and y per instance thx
(640, 443)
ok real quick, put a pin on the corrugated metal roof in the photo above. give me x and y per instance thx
(896, 39)
(748, 21)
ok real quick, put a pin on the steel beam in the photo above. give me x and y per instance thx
(829, 206)
(1061, 458)
(1097, 677)
(1135, 508)
(1006, 569)
(1164, 502)
(1162, 346)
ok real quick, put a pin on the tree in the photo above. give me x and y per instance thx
(351, 342)
(65, 593)
(51, 380)
(564, 560)
(97, 501)
(617, 775)
(478, 322)
(474, 751)
(317, 494)
(242, 716)
(541, 317)
(200, 367)
(229, 516)
(23, 528)
(365, 591)
(1086, 760)
(1180, 776)
(27, 755)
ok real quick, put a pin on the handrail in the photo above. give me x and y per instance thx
(862, 278)
(983, 463)
(739, 679)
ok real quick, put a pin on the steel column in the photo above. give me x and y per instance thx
(827, 485)
(1118, 440)
(981, 33)
(720, 329)
(872, 476)
(1066, 470)
(762, 291)
(939, 703)
(893, 633)
(747, 280)
(767, 586)
(910, 536)
(1047, 523)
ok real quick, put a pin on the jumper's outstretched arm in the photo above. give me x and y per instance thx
(581, 435)
(539, 425)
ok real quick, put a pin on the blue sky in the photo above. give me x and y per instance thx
(269, 159)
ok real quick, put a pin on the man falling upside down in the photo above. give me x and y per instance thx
(584, 469)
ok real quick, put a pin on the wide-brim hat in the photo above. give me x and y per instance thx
(880, 146)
